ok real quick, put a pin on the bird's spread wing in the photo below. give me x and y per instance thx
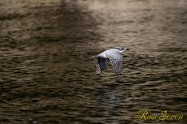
(102, 64)
(116, 61)
(98, 70)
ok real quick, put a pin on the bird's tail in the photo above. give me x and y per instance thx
(93, 57)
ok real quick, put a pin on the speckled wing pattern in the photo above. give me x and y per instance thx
(102, 64)
(98, 70)
(116, 61)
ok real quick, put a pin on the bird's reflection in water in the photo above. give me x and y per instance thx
(109, 100)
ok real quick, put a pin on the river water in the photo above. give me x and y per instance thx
(47, 70)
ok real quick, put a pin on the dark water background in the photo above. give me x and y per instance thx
(47, 74)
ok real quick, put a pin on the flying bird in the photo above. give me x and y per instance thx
(112, 56)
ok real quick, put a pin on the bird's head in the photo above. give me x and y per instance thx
(121, 49)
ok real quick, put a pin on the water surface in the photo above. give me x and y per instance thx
(47, 73)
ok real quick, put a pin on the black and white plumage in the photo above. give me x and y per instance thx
(114, 57)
